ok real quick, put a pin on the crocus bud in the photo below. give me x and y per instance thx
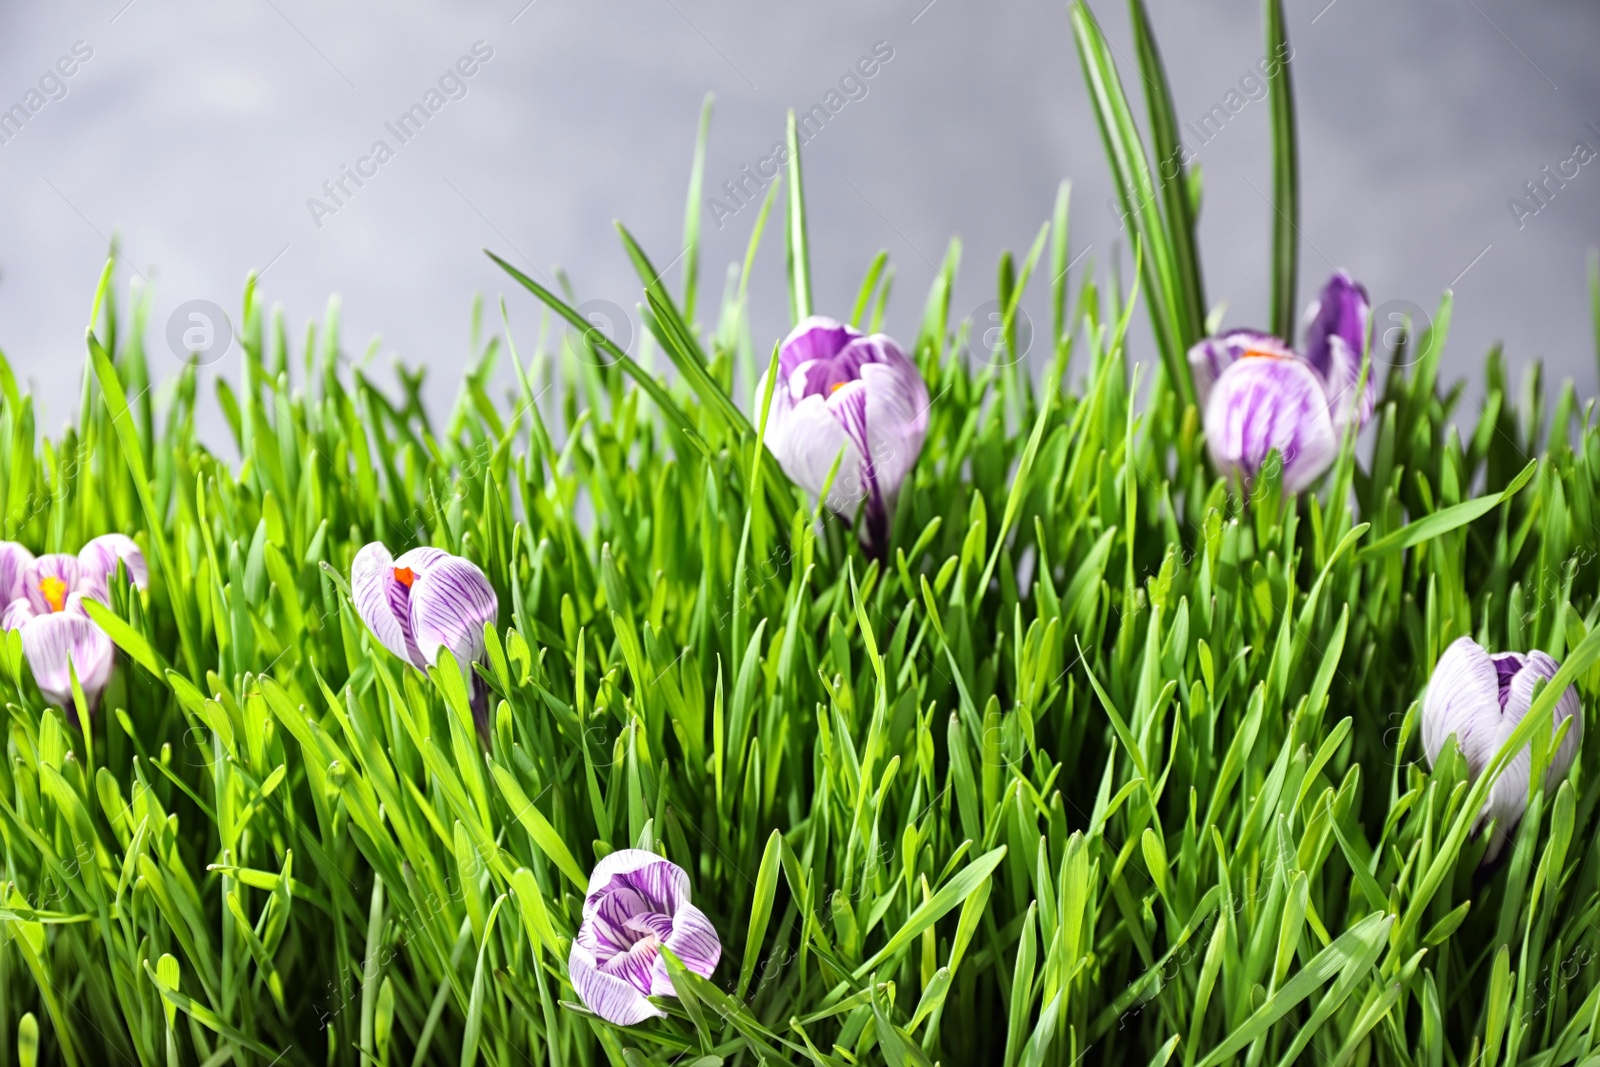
(1257, 394)
(1340, 322)
(425, 601)
(1480, 698)
(636, 903)
(839, 390)
(46, 604)
(1265, 402)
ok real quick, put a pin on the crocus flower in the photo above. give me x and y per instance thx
(425, 601)
(1480, 698)
(14, 558)
(1258, 394)
(636, 903)
(45, 602)
(838, 389)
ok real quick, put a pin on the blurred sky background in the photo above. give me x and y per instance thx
(198, 131)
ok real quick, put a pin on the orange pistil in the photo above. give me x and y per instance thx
(55, 593)
(1262, 353)
(836, 387)
(405, 576)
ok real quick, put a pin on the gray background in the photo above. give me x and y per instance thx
(199, 130)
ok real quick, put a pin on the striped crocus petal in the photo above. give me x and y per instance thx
(1480, 699)
(451, 602)
(97, 562)
(1340, 322)
(805, 438)
(1508, 797)
(817, 338)
(16, 613)
(1463, 699)
(613, 998)
(694, 941)
(59, 642)
(897, 410)
(1213, 355)
(14, 560)
(1264, 403)
(660, 882)
(383, 607)
(49, 580)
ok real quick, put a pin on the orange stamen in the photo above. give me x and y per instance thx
(836, 387)
(1262, 353)
(55, 593)
(405, 576)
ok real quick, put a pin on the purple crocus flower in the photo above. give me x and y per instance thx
(838, 389)
(1258, 394)
(424, 601)
(636, 903)
(1480, 698)
(45, 602)
(14, 559)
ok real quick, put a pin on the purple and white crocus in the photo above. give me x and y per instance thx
(839, 389)
(637, 902)
(1480, 698)
(44, 600)
(1258, 394)
(425, 601)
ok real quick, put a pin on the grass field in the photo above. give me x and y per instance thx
(1103, 757)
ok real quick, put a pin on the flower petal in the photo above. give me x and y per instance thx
(1264, 403)
(97, 562)
(1340, 324)
(805, 437)
(815, 338)
(1213, 355)
(54, 640)
(18, 612)
(1463, 699)
(1506, 666)
(694, 941)
(54, 568)
(14, 559)
(451, 602)
(897, 413)
(635, 965)
(663, 883)
(608, 996)
(419, 560)
(1343, 311)
(1509, 794)
(650, 922)
(382, 603)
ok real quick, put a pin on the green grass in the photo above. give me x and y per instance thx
(1107, 764)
